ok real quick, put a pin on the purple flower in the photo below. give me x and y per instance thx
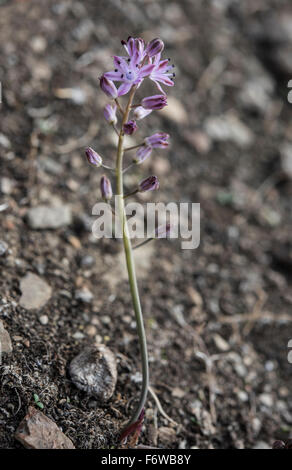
(154, 47)
(157, 140)
(161, 73)
(154, 102)
(106, 188)
(130, 127)
(142, 153)
(130, 70)
(135, 48)
(140, 112)
(92, 157)
(149, 184)
(110, 113)
(163, 230)
(108, 87)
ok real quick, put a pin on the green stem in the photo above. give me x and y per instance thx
(131, 266)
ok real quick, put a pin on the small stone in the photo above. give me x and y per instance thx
(178, 392)
(5, 341)
(266, 399)
(90, 330)
(36, 431)
(6, 185)
(87, 261)
(45, 217)
(167, 436)
(228, 127)
(44, 320)
(78, 335)
(4, 141)
(286, 158)
(49, 165)
(35, 292)
(84, 295)
(94, 371)
(3, 247)
(256, 425)
(221, 344)
(199, 140)
(77, 95)
(256, 93)
(38, 44)
(243, 396)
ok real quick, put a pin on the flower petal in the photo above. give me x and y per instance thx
(120, 63)
(146, 70)
(164, 79)
(124, 89)
(112, 75)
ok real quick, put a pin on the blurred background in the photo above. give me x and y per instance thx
(218, 318)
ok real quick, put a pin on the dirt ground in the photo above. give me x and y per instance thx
(218, 318)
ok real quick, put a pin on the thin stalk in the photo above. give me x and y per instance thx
(143, 243)
(131, 266)
(131, 194)
(119, 106)
(134, 147)
(128, 167)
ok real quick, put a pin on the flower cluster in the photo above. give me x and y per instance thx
(142, 61)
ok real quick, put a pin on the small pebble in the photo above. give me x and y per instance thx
(3, 248)
(94, 371)
(5, 341)
(78, 335)
(90, 330)
(84, 295)
(44, 320)
(266, 400)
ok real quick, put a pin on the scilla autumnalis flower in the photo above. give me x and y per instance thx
(139, 62)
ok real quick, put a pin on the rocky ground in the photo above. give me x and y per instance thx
(218, 318)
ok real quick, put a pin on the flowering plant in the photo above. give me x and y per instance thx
(142, 61)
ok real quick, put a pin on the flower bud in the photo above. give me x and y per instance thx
(149, 184)
(157, 140)
(154, 102)
(106, 188)
(154, 47)
(130, 127)
(142, 153)
(163, 231)
(92, 157)
(140, 112)
(108, 87)
(110, 113)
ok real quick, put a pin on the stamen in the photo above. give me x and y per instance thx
(122, 75)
